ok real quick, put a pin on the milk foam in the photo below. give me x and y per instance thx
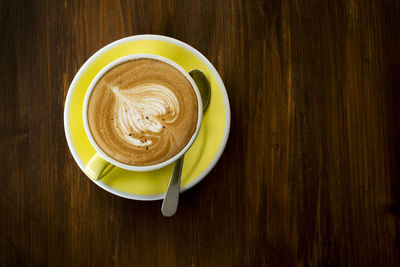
(143, 109)
(142, 112)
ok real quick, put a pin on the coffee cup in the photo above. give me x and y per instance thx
(141, 112)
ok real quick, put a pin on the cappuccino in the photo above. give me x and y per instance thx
(142, 112)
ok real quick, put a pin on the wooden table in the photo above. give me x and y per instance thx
(310, 175)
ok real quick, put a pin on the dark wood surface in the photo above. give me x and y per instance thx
(310, 175)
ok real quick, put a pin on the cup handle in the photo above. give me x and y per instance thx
(96, 166)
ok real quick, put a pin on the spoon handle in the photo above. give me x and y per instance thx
(170, 202)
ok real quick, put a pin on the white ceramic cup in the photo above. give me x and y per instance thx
(101, 160)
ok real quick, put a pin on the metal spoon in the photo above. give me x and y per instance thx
(170, 203)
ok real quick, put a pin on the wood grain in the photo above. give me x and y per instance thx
(310, 175)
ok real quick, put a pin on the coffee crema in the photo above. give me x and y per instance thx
(142, 112)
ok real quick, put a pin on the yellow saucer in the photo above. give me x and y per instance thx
(205, 151)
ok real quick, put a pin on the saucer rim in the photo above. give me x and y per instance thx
(157, 38)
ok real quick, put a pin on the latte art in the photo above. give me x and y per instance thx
(144, 110)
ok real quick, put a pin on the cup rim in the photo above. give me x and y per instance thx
(115, 63)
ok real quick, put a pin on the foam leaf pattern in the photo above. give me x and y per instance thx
(144, 110)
